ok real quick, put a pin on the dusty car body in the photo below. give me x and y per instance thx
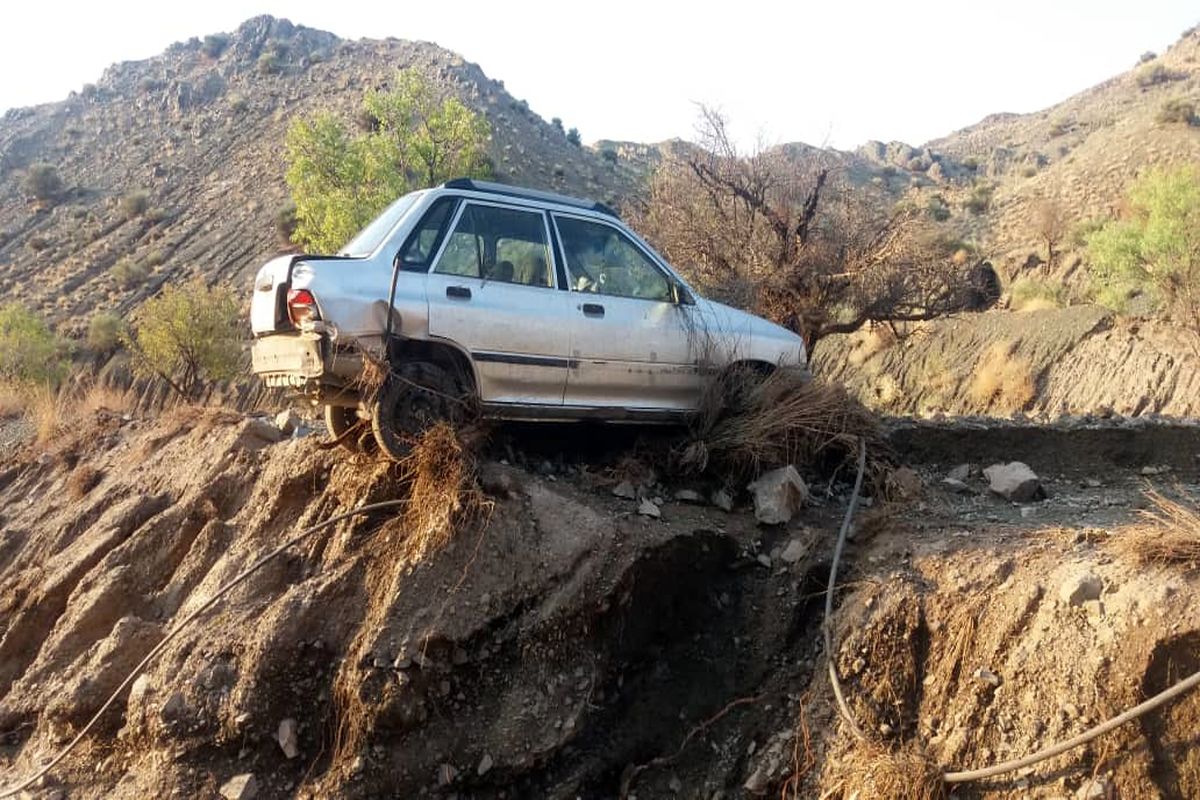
(540, 306)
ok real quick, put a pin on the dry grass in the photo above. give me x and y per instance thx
(105, 398)
(443, 497)
(747, 423)
(83, 479)
(1002, 381)
(1167, 533)
(49, 412)
(440, 473)
(871, 771)
(12, 402)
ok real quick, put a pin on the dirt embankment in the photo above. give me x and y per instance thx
(563, 646)
(1077, 360)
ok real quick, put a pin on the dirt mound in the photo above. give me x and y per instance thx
(562, 645)
(1039, 363)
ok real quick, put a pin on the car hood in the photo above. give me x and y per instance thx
(744, 336)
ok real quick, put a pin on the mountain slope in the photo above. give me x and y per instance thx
(202, 136)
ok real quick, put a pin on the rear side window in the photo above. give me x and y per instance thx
(506, 245)
(423, 242)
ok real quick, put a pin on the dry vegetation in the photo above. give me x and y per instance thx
(1168, 533)
(748, 423)
(1002, 380)
(872, 771)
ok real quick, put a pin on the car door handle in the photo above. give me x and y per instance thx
(593, 309)
(458, 292)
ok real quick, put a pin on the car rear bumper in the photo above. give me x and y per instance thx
(302, 360)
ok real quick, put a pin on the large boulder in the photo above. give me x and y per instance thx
(778, 495)
(1015, 482)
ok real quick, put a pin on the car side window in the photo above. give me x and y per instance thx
(603, 260)
(507, 245)
(422, 243)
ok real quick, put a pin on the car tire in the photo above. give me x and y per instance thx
(415, 395)
(342, 422)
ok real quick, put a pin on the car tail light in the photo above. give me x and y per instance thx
(301, 306)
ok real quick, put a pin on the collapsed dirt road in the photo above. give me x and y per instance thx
(563, 644)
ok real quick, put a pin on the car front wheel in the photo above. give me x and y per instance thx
(415, 395)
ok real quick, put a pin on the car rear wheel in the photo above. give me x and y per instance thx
(348, 430)
(415, 395)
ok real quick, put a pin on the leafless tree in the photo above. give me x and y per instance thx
(1051, 224)
(785, 235)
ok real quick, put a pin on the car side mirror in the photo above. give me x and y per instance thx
(682, 296)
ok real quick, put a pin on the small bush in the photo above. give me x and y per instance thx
(1028, 294)
(1147, 56)
(130, 273)
(938, 209)
(1001, 381)
(609, 155)
(155, 258)
(1178, 111)
(42, 182)
(574, 138)
(268, 63)
(187, 336)
(37, 243)
(148, 84)
(558, 124)
(237, 102)
(1154, 75)
(29, 351)
(979, 201)
(285, 222)
(134, 203)
(971, 163)
(104, 332)
(214, 45)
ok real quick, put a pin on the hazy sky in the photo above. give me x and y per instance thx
(834, 71)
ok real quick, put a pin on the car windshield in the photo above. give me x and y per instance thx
(370, 237)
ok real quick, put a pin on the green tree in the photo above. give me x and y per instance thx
(104, 332)
(29, 351)
(340, 180)
(42, 182)
(1155, 249)
(188, 335)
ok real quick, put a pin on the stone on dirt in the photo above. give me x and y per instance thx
(689, 496)
(648, 508)
(778, 495)
(1015, 482)
(286, 736)
(257, 428)
(1100, 788)
(722, 500)
(485, 765)
(904, 483)
(240, 787)
(499, 481)
(1080, 588)
(625, 490)
(287, 421)
(960, 473)
(956, 486)
(794, 551)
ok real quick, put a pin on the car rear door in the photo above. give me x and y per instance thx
(494, 293)
(632, 345)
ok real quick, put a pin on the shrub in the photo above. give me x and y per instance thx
(1029, 294)
(148, 84)
(285, 222)
(937, 208)
(1153, 75)
(237, 102)
(29, 351)
(1147, 56)
(42, 182)
(558, 124)
(104, 332)
(187, 336)
(214, 45)
(574, 138)
(134, 203)
(130, 273)
(37, 243)
(340, 180)
(1156, 248)
(1001, 381)
(971, 163)
(980, 200)
(1178, 110)
(609, 155)
(268, 63)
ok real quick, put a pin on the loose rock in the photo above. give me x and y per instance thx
(778, 495)
(286, 736)
(794, 551)
(287, 421)
(1015, 482)
(689, 496)
(625, 490)
(485, 765)
(240, 787)
(722, 500)
(648, 508)
(1080, 588)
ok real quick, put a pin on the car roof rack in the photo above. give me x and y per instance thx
(491, 187)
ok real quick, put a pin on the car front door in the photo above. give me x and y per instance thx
(632, 345)
(493, 292)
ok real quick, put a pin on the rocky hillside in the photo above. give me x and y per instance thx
(174, 164)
